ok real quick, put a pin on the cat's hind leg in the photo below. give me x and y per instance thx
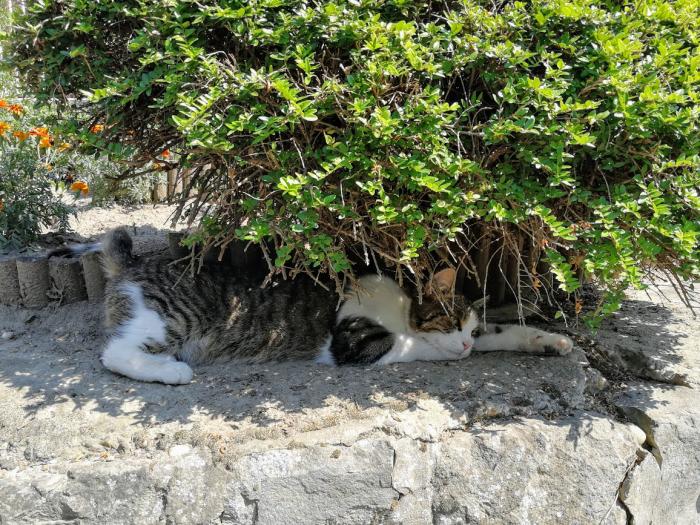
(518, 338)
(125, 354)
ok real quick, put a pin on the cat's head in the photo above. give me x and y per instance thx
(444, 318)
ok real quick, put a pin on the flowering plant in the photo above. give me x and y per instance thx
(29, 157)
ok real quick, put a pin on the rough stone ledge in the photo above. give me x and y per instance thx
(497, 438)
(461, 477)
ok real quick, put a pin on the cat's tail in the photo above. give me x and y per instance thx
(76, 250)
(116, 252)
(115, 247)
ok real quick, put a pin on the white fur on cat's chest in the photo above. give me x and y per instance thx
(381, 300)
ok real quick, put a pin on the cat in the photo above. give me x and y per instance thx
(164, 320)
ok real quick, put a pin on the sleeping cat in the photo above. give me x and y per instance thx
(163, 322)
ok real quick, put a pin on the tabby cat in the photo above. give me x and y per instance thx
(164, 321)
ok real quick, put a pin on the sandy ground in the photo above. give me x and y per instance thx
(147, 224)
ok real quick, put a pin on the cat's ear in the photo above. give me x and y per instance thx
(479, 303)
(443, 282)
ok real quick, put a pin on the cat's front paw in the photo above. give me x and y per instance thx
(550, 344)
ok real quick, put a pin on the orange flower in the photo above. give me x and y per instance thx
(16, 109)
(45, 142)
(39, 132)
(3, 103)
(21, 135)
(4, 128)
(165, 154)
(96, 128)
(80, 186)
(64, 146)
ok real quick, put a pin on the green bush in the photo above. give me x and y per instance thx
(404, 128)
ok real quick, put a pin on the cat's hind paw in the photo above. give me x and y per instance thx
(175, 373)
(551, 344)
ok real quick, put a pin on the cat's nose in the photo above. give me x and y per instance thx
(466, 346)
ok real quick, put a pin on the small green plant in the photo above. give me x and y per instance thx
(402, 131)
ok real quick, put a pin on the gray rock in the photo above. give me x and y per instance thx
(412, 476)
(533, 472)
(188, 489)
(117, 493)
(668, 484)
(641, 489)
(317, 485)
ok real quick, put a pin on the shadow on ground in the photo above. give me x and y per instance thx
(53, 363)
(52, 384)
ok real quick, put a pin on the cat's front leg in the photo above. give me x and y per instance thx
(518, 338)
(547, 343)
(407, 348)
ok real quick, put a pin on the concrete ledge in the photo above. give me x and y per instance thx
(497, 438)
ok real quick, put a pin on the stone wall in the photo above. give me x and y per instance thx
(496, 438)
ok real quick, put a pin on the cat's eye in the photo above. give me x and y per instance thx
(430, 318)
(476, 332)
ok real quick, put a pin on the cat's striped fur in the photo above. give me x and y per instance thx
(163, 320)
